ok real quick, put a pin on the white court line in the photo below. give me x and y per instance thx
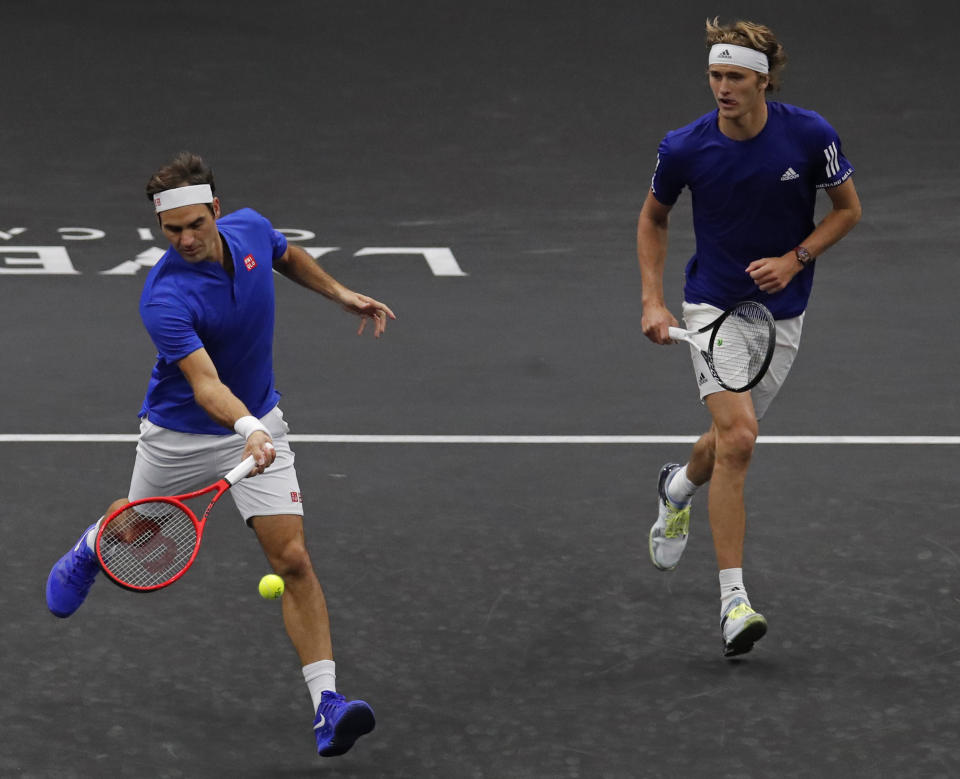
(874, 440)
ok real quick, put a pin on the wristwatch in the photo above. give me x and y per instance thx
(803, 256)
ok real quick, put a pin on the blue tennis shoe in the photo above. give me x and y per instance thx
(71, 578)
(339, 723)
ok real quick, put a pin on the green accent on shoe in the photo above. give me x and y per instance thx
(678, 521)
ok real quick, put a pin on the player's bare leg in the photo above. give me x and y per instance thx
(735, 435)
(337, 723)
(702, 458)
(304, 606)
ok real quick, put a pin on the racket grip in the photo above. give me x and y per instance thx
(241, 470)
(677, 333)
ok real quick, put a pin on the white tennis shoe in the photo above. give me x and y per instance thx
(668, 536)
(741, 627)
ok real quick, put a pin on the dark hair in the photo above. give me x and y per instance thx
(183, 170)
(753, 36)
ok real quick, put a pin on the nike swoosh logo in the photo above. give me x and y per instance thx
(321, 723)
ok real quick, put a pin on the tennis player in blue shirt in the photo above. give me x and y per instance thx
(208, 306)
(753, 168)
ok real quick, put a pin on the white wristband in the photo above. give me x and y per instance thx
(247, 426)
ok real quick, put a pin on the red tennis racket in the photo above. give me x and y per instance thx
(150, 543)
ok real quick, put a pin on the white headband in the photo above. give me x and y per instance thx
(731, 54)
(183, 196)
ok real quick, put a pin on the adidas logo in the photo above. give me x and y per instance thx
(725, 54)
(701, 379)
(789, 175)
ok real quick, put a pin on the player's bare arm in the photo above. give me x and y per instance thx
(771, 274)
(652, 230)
(215, 397)
(297, 265)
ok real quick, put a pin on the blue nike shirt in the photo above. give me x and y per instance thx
(187, 306)
(750, 199)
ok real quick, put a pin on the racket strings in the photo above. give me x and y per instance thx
(742, 344)
(148, 544)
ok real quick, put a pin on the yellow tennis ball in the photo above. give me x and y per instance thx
(271, 586)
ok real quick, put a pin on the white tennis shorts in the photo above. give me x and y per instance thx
(172, 463)
(697, 315)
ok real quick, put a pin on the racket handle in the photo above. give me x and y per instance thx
(241, 470)
(691, 337)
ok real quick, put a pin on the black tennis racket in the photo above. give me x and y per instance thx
(737, 346)
(150, 543)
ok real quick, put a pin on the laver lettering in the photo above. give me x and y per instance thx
(55, 260)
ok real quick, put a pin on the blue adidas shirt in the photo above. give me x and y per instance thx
(187, 306)
(751, 199)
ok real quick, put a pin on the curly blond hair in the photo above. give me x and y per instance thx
(753, 36)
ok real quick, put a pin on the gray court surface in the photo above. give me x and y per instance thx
(493, 602)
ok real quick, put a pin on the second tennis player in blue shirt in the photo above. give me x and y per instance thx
(753, 168)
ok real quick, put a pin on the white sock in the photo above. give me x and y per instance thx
(91, 536)
(680, 489)
(731, 587)
(320, 676)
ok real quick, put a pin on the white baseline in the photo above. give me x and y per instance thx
(874, 440)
